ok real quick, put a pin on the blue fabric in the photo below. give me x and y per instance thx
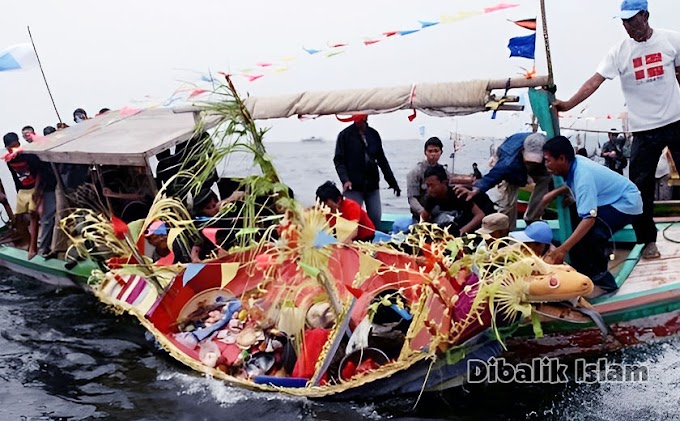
(7, 62)
(402, 224)
(381, 237)
(323, 239)
(510, 166)
(227, 312)
(595, 185)
(523, 46)
(191, 271)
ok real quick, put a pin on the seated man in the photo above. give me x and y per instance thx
(328, 194)
(495, 225)
(416, 190)
(157, 236)
(444, 208)
(519, 157)
(206, 210)
(25, 170)
(605, 201)
(537, 236)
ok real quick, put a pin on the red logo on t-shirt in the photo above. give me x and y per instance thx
(648, 64)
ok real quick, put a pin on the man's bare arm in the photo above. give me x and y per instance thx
(586, 90)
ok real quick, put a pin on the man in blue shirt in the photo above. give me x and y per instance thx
(605, 202)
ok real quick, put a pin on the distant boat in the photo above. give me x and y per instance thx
(312, 139)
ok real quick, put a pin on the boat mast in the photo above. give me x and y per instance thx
(548, 57)
(49, 92)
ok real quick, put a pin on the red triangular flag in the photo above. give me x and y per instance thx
(167, 260)
(355, 291)
(211, 234)
(120, 228)
(526, 23)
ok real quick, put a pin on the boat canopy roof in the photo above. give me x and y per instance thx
(438, 99)
(123, 137)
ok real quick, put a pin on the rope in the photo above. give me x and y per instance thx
(665, 236)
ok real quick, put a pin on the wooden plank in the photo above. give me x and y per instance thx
(117, 139)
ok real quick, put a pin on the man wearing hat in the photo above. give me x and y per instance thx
(537, 237)
(495, 225)
(648, 65)
(519, 156)
(612, 152)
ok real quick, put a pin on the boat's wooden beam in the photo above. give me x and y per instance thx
(519, 82)
(511, 107)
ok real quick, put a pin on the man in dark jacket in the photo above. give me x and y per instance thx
(519, 157)
(612, 152)
(358, 154)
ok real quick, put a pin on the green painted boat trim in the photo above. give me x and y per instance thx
(637, 313)
(80, 273)
(629, 264)
(626, 235)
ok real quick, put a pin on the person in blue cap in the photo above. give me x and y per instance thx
(537, 236)
(648, 65)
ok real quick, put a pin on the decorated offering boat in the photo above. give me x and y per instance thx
(286, 302)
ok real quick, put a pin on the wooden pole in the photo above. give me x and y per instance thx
(43, 74)
(548, 58)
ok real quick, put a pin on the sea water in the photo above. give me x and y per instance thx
(65, 356)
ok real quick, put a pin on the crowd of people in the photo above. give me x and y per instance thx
(602, 199)
(35, 184)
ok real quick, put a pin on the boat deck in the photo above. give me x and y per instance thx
(641, 279)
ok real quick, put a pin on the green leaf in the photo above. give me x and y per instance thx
(247, 231)
(536, 324)
(455, 355)
(309, 270)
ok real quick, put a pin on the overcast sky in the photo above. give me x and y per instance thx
(115, 53)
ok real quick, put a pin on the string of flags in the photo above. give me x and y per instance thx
(261, 69)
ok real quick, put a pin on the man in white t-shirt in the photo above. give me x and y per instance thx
(648, 64)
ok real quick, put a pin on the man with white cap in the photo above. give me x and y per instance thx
(519, 156)
(648, 65)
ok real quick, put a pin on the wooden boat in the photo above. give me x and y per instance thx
(436, 348)
(441, 336)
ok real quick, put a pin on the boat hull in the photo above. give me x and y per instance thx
(634, 325)
(50, 271)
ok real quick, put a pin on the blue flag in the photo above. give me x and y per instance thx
(523, 46)
(323, 239)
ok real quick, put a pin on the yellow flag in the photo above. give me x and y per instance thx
(172, 235)
(229, 271)
(135, 228)
(367, 265)
(344, 228)
(460, 16)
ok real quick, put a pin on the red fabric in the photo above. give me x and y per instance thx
(314, 340)
(120, 228)
(526, 23)
(350, 210)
